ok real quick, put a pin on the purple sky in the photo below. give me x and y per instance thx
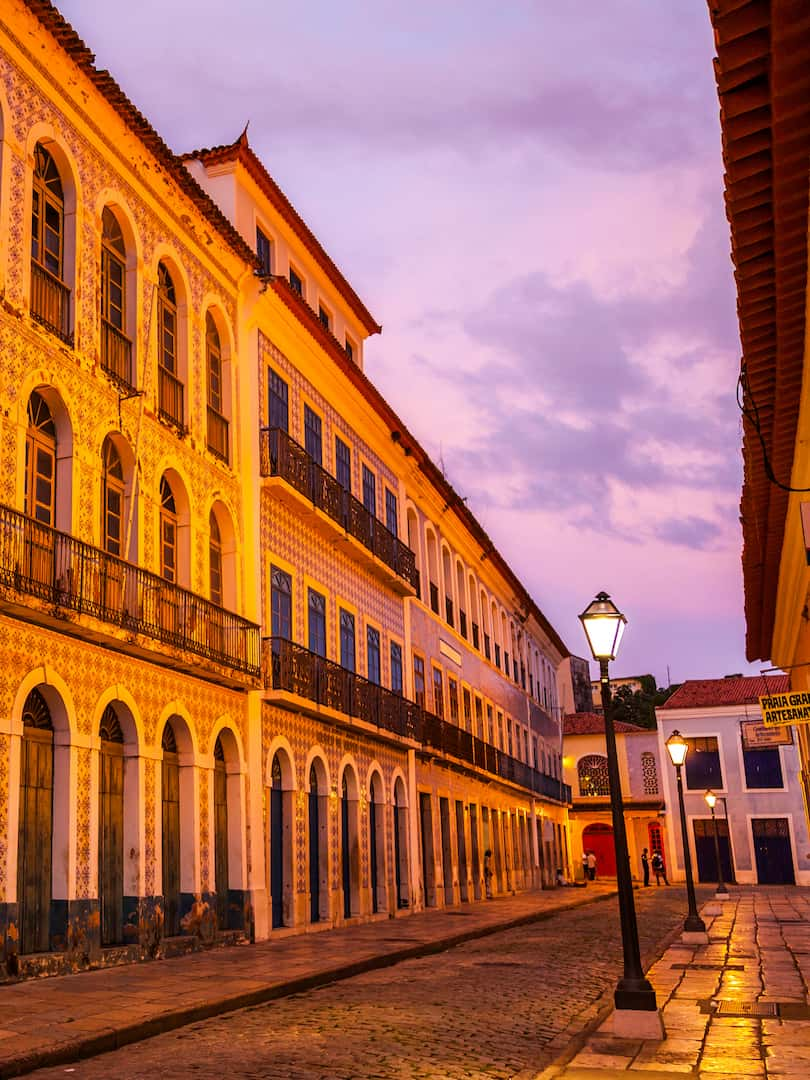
(529, 198)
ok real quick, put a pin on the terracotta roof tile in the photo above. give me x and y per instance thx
(735, 690)
(587, 723)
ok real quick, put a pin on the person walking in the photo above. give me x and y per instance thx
(645, 867)
(659, 869)
(488, 874)
(591, 866)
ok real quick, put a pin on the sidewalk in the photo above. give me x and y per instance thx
(61, 1019)
(735, 1008)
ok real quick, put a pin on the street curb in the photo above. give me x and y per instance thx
(572, 1043)
(114, 1039)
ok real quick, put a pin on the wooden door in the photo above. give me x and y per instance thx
(372, 853)
(34, 854)
(111, 843)
(221, 841)
(773, 850)
(345, 853)
(277, 846)
(171, 844)
(314, 850)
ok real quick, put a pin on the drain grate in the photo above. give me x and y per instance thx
(709, 967)
(732, 1007)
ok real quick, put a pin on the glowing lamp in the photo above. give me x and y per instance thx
(604, 625)
(677, 747)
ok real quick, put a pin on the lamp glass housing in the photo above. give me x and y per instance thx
(710, 798)
(604, 626)
(677, 747)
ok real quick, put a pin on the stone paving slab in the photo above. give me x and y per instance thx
(60, 1019)
(748, 930)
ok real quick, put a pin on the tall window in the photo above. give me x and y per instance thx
(391, 515)
(490, 735)
(214, 559)
(396, 667)
(649, 773)
(168, 531)
(280, 603)
(40, 461)
(702, 766)
(419, 681)
(316, 607)
(343, 463)
(170, 388)
(465, 694)
(116, 348)
(50, 299)
(323, 317)
(369, 490)
(763, 768)
(438, 692)
(278, 408)
(349, 349)
(112, 499)
(313, 439)
(479, 718)
(264, 249)
(373, 655)
(217, 424)
(296, 283)
(452, 693)
(347, 639)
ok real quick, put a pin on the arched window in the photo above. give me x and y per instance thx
(116, 348)
(112, 499)
(50, 296)
(593, 775)
(40, 461)
(214, 560)
(168, 531)
(170, 387)
(217, 424)
(649, 773)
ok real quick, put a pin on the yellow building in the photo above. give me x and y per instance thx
(761, 69)
(262, 667)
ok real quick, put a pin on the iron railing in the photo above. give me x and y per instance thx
(293, 668)
(40, 561)
(282, 456)
(50, 302)
(116, 354)
(170, 398)
(217, 434)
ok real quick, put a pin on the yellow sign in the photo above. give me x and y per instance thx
(792, 708)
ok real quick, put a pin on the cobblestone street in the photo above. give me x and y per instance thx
(486, 1009)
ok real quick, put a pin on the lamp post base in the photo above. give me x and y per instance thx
(695, 937)
(638, 1024)
(722, 894)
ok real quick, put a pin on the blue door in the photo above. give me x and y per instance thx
(314, 849)
(277, 845)
(773, 851)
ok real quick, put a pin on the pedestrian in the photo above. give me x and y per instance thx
(645, 867)
(488, 874)
(561, 881)
(585, 867)
(591, 866)
(659, 869)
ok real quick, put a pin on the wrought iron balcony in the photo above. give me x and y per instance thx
(116, 354)
(39, 561)
(50, 302)
(296, 670)
(283, 457)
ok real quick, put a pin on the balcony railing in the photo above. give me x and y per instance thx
(40, 561)
(116, 354)
(293, 668)
(217, 434)
(282, 456)
(50, 302)
(170, 398)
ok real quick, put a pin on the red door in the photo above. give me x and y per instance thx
(599, 840)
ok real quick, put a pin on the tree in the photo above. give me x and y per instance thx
(638, 706)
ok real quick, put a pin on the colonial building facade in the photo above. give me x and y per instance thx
(262, 667)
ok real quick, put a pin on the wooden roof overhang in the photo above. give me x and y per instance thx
(763, 80)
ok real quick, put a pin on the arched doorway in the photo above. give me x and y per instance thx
(401, 874)
(376, 845)
(170, 797)
(34, 853)
(220, 834)
(317, 820)
(111, 828)
(277, 843)
(345, 849)
(598, 838)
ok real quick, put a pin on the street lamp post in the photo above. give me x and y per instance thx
(694, 928)
(722, 891)
(636, 1008)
